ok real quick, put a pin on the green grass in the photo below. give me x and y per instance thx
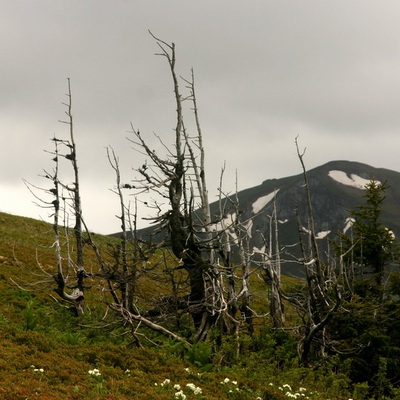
(46, 353)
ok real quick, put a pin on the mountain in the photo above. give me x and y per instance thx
(336, 187)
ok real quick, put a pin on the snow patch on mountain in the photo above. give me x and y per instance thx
(348, 224)
(348, 180)
(262, 201)
(260, 250)
(319, 235)
(227, 225)
(249, 228)
(224, 224)
(322, 234)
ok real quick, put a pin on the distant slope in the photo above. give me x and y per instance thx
(336, 187)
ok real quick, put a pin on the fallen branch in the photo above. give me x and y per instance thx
(129, 317)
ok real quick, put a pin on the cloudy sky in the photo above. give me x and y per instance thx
(266, 71)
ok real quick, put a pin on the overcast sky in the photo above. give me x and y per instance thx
(266, 71)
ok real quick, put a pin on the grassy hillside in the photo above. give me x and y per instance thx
(47, 353)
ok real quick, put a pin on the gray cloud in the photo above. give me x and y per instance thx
(266, 71)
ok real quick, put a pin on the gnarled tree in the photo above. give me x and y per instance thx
(322, 298)
(180, 177)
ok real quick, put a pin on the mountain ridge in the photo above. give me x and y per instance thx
(336, 187)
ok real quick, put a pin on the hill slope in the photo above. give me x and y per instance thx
(46, 353)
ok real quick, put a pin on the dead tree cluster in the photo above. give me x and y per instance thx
(197, 239)
(205, 281)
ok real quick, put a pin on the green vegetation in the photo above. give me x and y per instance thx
(371, 246)
(48, 353)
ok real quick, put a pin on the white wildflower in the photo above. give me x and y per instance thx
(194, 388)
(177, 386)
(94, 372)
(166, 382)
(180, 395)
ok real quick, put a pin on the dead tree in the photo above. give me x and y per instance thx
(182, 236)
(66, 267)
(323, 296)
(276, 301)
(62, 275)
(66, 197)
(181, 178)
(268, 258)
(128, 274)
(233, 235)
(223, 308)
(131, 255)
(76, 205)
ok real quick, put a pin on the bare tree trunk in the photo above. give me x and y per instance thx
(310, 215)
(77, 206)
(276, 305)
(127, 282)
(324, 297)
(76, 296)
